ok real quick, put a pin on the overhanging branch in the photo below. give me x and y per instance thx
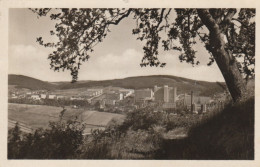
(122, 17)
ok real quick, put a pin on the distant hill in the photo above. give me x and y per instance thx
(183, 85)
(21, 81)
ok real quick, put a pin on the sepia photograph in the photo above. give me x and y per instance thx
(135, 83)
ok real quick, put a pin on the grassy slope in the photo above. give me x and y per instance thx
(227, 135)
(38, 116)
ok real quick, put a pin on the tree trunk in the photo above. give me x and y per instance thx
(228, 67)
(225, 61)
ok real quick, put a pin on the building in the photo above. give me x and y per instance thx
(43, 96)
(35, 97)
(143, 94)
(60, 97)
(174, 94)
(21, 96)
(186, 99)
(110, 98)
(14, 97)
(51, 96)
(165, 94)
(195, 103)
(93, 92)
(76, 98)
(114, 96)
(126, 92)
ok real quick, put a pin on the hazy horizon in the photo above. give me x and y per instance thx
(116, 78)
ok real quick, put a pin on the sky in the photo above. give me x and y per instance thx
(118, 56)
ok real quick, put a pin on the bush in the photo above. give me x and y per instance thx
(110, 144)
(61, 141)
(14, 142)
(143, 119)
(138, 137)
(185, 121)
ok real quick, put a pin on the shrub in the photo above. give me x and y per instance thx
(14, 142)
(185, 121)
(138, 137)
(143, 119)
(61, 141)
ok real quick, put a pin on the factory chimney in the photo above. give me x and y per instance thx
(191, 101)
(174, 94)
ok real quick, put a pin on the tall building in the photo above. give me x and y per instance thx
(166, 93)
(174, 94)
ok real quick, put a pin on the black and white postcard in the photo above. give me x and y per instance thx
(104, 82)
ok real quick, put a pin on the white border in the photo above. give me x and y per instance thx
(6, 4)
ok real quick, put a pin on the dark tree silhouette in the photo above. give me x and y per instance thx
(227, 34)
(62, 140)
(14, 141)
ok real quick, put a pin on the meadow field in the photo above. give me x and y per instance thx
(39, 116)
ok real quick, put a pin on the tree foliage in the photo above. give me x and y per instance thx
(227, 34)
(79, 30)
(60, 141)
(14, 142)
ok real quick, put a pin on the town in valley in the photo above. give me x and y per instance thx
(117, 100)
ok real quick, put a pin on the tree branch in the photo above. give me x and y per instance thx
(208, 20)
(161, 17)
(240, 22)
(123, 16)
(229, 15)
(227, 19)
